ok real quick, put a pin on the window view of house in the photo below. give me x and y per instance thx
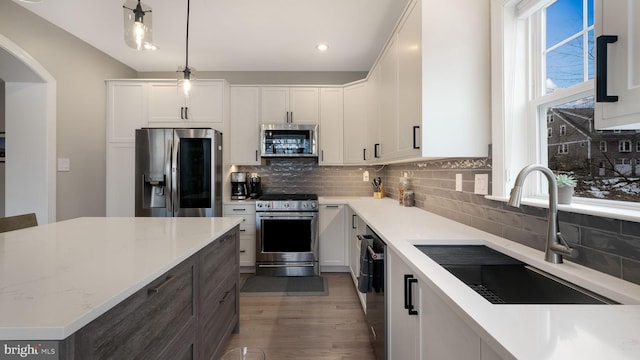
(606, 163)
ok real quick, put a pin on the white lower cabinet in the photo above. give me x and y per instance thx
(433, 330)
(355, 227)
(247, 231)
(403, 328)
(334, 249)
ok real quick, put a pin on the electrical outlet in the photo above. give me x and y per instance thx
(458, 182)
(481, 184)
(365, 176)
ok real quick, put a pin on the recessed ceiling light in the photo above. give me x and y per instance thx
(322, 47)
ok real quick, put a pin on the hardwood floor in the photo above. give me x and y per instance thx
(306, 327)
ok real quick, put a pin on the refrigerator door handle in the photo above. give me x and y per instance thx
(175, 168)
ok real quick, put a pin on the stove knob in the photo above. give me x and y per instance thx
(313, 205)
(259, 205)
(286, 205)
(305, 205)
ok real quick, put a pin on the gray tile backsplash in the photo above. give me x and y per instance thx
(607, 245)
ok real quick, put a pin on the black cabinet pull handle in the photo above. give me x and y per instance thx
(353, 221)
(376, 151)
(364, 154)
(332, 206)
(409, 280)
(415, 143)
(291, 117)
(186, 113)
(601, 68)
(167, 280)
(321, 155)
(182, 112)
(256, 155)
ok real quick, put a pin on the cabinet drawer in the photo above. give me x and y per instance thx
(219, 318)
(248, 224)
(218, 261)
(239, 209)
(247, 250)
(155, 315)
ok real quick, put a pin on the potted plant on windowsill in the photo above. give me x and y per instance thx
(566, 186)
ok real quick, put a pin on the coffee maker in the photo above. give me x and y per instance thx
(254, 186)
(238, 185)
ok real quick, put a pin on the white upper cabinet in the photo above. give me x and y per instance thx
(244, 125)
(409, 85)
(331, 121)
(355, 123)
(456, 79)
(297, 105)
(168, 105)
(617, 64)
(388, 100)
(126, 109)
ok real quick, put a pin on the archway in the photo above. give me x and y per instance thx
(30, 118)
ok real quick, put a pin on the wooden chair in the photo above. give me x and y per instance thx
(17, 222)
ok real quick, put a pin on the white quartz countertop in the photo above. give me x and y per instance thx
(56, 278)
(513, 331)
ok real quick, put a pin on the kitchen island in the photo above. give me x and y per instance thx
(495, 331)
(57, 281)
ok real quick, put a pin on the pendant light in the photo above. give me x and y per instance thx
(137, 25)
(185, 74)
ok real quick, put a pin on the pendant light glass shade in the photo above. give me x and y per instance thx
(138, 25)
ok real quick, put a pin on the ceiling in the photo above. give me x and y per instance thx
(237, 35)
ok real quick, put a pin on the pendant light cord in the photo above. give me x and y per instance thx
(186, 66)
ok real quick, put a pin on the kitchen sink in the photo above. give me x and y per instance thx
(502, 279)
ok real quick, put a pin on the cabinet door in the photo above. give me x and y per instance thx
(355, 124)
(166, 104)
(403, 329)
(121, 159)
(244, 125)
(303, 105)
(331, 122)
(333, 247)
(147, 324)
(621, 18)
(410, 84)
(219, 292)
(445, 336)
(389, 102)
(373, 101)
(205, 104)
(126, 110)
(274, 108)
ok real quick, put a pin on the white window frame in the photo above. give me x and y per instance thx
(513, 112)
(563, 130)
(563, 149)
(624, 146)
(601, 147)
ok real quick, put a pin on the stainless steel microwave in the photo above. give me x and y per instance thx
(288, 140)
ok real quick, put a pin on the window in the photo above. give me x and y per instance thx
(603, 146)
(547, 52)
(624, 146)
(563, 149)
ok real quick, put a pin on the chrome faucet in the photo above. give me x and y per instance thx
(556, 246)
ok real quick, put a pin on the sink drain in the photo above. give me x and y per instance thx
(487, 294)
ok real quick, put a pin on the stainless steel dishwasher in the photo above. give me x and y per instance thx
(372, 281)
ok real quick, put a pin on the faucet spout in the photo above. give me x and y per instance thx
(556, 246)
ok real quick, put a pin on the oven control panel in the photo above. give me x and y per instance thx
(287, 205)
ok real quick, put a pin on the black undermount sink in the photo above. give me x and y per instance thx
(504, 280)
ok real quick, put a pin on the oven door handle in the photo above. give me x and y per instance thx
(286, 216)
(286, 265)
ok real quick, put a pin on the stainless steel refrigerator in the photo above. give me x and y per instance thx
(178, 172)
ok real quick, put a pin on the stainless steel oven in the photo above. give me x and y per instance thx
(287, 235)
